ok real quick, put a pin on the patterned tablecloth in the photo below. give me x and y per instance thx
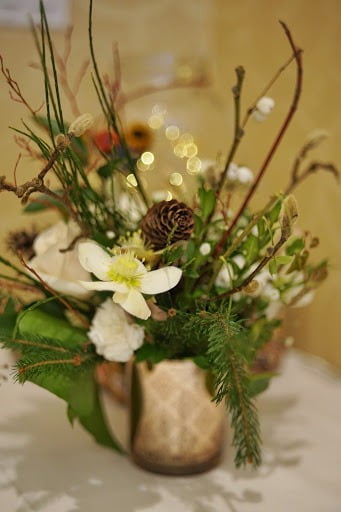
(46, 466)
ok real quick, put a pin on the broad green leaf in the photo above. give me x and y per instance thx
(8, 320)
(207, 202)
(198, 225)
(39, 322)
(251, 248)
(87, 409)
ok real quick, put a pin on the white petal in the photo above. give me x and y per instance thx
(99, 285)
(94, 259)
(161, 280)
(63, 286)
(134, 303)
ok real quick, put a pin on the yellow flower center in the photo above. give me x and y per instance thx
(124, 270)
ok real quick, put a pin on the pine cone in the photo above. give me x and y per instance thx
(167, 222)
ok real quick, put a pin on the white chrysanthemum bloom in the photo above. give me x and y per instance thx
(263, 108)
(113, 335)
(205, 249)
(126, 276)
(60, 270)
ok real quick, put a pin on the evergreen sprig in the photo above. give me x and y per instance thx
(230, 368)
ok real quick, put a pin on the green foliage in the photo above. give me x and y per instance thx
(232, 382)
(207, 202)
(60, 360)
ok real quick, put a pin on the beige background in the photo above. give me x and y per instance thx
(224, 34)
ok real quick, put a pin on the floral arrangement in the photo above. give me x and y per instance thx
(123, 276)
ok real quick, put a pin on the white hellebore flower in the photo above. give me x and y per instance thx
(60, 270)
(113, 335)
(126, 276)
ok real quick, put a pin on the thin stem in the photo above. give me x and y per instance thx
(273, 251)
(238, 132)
(239, 239)
(75, 361)
(278, 139)
(251, 109)
(40, 345)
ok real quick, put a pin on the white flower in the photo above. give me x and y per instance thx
(263, 108)
(60, 270)
(126, 276)
(205, 249)
(113, 335)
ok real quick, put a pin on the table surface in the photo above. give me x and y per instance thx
(47, 466)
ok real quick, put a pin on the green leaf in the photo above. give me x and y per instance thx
(106, 170)
(39, 322)
(261, 228)
(43, 122)
(202, 362)
(44, 202)
(152, 353)
(198, 225)
(190, 250)
(273, 267)
(278, 260)
(251, 248)
(207, 202)
(295, 246)
(8, 320)
(274, 213)
(260, 382)
(172, 254)
(87, 409)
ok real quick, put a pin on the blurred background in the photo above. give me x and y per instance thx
(199, 41)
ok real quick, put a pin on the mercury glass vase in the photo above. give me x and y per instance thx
(176, 429)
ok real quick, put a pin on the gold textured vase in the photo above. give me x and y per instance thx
(176, 429)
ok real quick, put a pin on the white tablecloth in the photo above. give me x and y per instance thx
(46, 466)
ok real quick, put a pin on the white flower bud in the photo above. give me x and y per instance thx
(232, 172)
(205, 249)
(80, 125)
(263, 108)
(245, 175)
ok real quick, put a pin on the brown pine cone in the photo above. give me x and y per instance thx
(167, 222)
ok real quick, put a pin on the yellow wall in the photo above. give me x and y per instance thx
(228, 33)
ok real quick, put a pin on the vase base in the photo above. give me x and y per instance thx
(177, 469)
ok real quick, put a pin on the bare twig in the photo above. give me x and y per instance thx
(15, 91)
(312, 168)
(278, 139)
(272, 251)
(252, 108)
